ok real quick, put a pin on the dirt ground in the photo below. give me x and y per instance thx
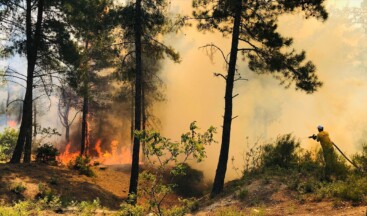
(109, 185)
(274, 199)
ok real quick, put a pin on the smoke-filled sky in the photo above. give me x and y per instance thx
(265, 109)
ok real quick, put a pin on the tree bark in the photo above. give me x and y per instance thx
(144, 116)
(227, 120)
(67, 133)
(25, 131)
(34, 120)
(83, 145)
(132, 112)
(138, 84)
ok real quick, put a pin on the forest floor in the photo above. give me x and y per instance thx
(110, 185)
(273, 198)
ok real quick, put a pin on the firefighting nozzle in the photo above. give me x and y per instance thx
(313, 136)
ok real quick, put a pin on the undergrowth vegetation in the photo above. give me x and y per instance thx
(303, 171)
(8, 140)
(43, 207)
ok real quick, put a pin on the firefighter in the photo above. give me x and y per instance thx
(327, 150)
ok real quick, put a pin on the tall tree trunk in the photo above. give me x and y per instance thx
(25, 131)
(144, 116)
(67, 133)
(66, 120)
(138, 84)
(227, 120)
(84, 141)
(34, 120)
(132, 114)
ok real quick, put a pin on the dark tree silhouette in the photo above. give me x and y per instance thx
(252, 25)
(141, 22)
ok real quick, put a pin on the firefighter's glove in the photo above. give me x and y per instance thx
(313, 137)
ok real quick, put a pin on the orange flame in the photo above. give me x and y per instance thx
(66, 156)
(107, 158)
(12, 123)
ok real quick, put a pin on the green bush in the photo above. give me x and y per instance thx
(88, 208)
(8, 140)
(131, 210)
(283, 154)
(82, 164)
(190, 183)
(47, 154)
(360, 159)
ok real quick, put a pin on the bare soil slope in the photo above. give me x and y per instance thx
(109, 185)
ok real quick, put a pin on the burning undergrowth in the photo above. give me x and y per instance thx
(107, 139)
(117, 154)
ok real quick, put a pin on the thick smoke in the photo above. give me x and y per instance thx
(265, 109)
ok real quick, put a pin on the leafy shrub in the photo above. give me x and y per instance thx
(47, 195)
(191, 183)
(8, 141)
(131, 210)
(47, 154)
(21, 208)
(283, 154)
(161, 152)
(88, 208)
(353, 189)
(82, 164)
(360, 159)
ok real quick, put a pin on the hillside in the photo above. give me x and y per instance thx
(257, 195)
(272, 198)
(109, 185)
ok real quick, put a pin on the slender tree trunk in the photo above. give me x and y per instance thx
(34, 120)
(20, 113)
(144, 116)
(25, 131)
(132, 114)
(227, 120)
(138, 84)
(67, 133)
(84, 141)
(66, 121)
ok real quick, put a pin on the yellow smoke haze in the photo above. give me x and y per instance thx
(265, 109)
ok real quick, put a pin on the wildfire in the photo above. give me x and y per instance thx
(67, 156)
(12, 123)
(114, 156)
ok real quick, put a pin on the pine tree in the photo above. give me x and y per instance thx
(142, 22)
(35, 30)
(253, 27)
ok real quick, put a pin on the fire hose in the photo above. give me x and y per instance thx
(350, 161)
